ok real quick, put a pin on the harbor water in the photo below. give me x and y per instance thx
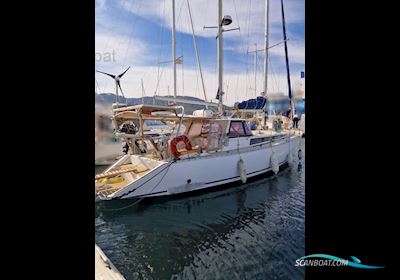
(250, 231)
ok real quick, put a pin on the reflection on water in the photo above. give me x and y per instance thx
(253, 231)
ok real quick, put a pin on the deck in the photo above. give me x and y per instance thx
(106, 188)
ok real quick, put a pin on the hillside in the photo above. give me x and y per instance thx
(109, 98)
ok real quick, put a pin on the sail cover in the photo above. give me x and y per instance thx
(253, 104)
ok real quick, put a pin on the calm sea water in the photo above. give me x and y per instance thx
(252, 231)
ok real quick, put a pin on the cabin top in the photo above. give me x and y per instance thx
(148, 108)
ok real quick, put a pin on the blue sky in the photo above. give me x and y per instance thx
(137, 33)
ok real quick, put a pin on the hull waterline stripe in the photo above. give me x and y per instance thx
(151, 194)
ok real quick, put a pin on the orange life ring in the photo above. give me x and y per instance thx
(174, 143)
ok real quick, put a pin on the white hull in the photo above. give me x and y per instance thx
(208, 170)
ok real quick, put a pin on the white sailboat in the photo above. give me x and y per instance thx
(203, 151)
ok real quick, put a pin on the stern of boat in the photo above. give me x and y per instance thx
(123, 176)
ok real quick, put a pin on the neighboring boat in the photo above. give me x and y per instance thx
(270, 111)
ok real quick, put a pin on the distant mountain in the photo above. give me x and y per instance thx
(109, 99)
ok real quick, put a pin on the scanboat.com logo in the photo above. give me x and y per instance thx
(328, 260)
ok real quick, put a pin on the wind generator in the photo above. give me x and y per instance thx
(117, 79)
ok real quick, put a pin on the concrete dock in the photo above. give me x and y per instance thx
(104, 269)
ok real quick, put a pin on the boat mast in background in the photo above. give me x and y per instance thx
(255, 67)
(197, 52)
(266, 46)
(174, 45)
(143, 92)
(292, 107)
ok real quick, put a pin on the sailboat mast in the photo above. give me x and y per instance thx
(287, 61)
(266, 46)
(174, 46)
(143, 92)
(255, 70)
(220, 56)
